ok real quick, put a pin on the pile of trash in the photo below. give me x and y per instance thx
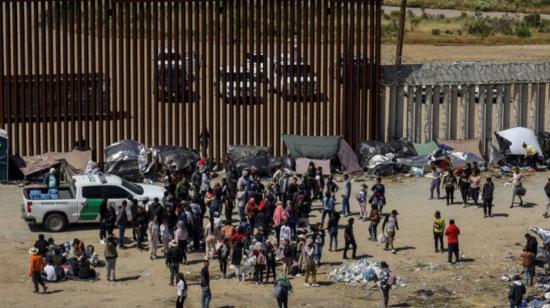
(401, 156)
(359, 273)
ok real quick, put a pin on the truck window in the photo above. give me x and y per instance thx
(92, 192)
(136, 189)
(114, 192)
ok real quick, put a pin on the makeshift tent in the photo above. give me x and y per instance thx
(322, 148)
(175, 159)
(426, 148)
(127, 159)
(514, 139)
(312, 147)
(245, 156)
(68, 163)
(462, 145)
(303, 163)
(348, 157)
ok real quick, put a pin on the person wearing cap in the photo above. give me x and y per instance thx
(51, 179)
(173, 259)
(516, 293)
(37, 264)
(362, 200)
(349, 239)
(121, 221)
(452, 234)
(390, 226)
(110, 255)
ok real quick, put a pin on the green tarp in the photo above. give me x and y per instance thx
(312, 147)
(426, 148)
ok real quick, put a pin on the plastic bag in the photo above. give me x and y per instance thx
(382, 238)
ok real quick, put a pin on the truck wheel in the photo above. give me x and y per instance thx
(55, 222)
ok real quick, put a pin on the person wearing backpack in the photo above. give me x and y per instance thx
(362, 200)
(449, 182)
(386, 280)
(261, 262)
(390, 226)
(329, 205)
(281, 289)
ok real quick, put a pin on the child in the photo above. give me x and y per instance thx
(487, 194)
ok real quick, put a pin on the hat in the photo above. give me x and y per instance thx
(33, 251)
(394, 212)
(173, 243)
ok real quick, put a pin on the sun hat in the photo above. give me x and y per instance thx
(33, 251)
(173, 243)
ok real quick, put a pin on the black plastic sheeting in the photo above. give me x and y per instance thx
(243, 157)
(284, 162)
(544, 141)
(128, 169)
(398, 148)
(496, 158)
(514, 159)
(176, 159)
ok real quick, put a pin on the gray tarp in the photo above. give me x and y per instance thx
(126, 158)
(312, 147)
(348, 158)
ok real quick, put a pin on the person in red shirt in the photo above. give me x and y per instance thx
(251, 212)
(452, 234)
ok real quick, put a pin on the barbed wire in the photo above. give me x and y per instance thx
(465, 73)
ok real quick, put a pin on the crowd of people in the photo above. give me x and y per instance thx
(272, 229)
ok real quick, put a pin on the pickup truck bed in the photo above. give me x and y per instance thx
(65, 192)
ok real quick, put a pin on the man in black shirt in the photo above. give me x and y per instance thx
(350, 239)
(206, 296)
(174, 257)
(532, 244)
(41, 245)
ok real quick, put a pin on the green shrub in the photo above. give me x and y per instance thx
(448, 32)
(479, 27)
(532, 20)
(386, 16)
(523, 31)
(504, 25)
(436, 32)
(395, 14)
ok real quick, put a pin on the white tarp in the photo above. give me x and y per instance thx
(517, 136)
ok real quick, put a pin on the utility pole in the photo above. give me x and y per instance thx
(401, 33)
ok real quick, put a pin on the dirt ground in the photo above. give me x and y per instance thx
(416, 54)
(490, 247)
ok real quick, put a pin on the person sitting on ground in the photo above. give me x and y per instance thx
(516, 293)
(50, 273)
(77, 248)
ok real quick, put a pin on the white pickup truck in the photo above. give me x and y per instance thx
(80, 200)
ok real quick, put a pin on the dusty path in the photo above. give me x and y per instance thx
(488, 244)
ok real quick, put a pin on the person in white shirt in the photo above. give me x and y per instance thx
(181, 290)
(51, 275)
(165, 235)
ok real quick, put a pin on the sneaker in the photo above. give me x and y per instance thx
(393, 251)
(45, 289)
(307, 285)
(102, 242)
(315, 285)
